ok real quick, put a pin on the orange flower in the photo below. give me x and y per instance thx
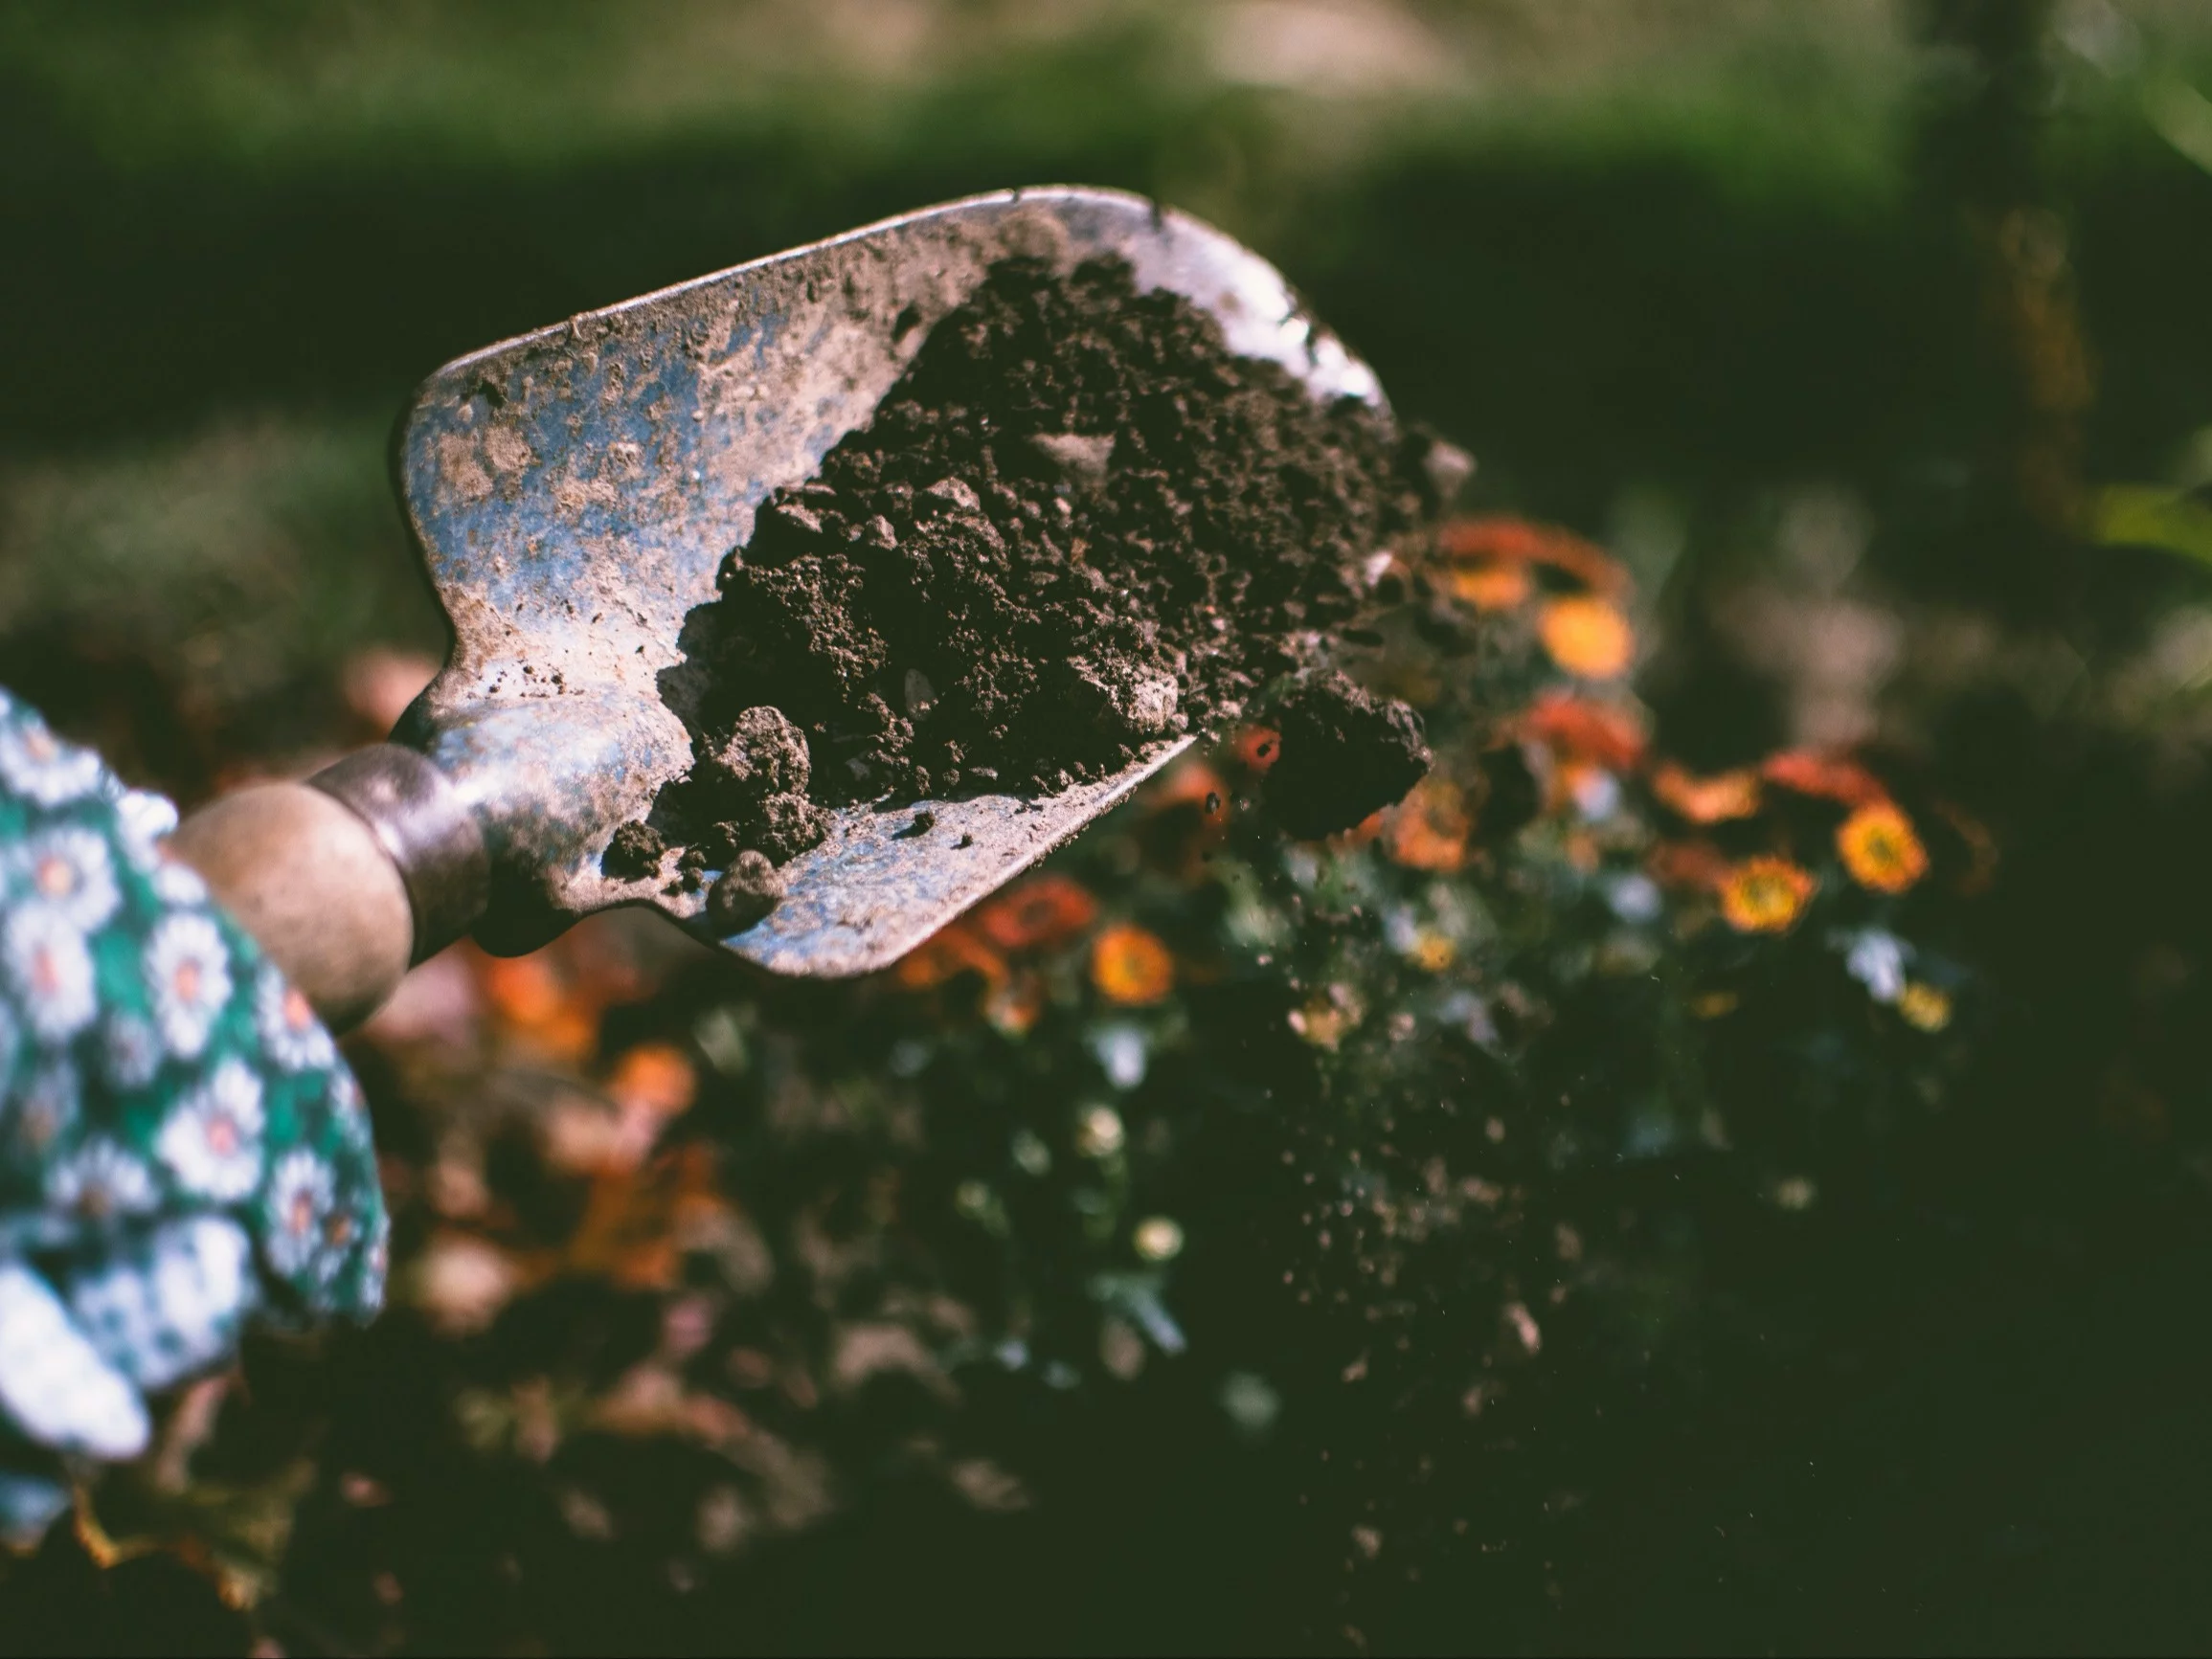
(539, 1003)
(1587, 637)
(1129, 965)
(1715, 800)
(1766, 895)
(1467, 542)
(1428, 830)
(1880, 848)
(951, 950)
(653, 1080)
(526, 990)
(1589, 730)
(1825, 776)
(1492, 587)
(1042, 911)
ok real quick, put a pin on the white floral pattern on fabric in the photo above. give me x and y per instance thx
(103, 1181)
(156, 1079)
(130, 1052)
(53, 1382)
(376, 1260)
(67, 868)
(212, 1141)
(298, 1210)
(29, 1504)
(40, 766)
(176, 883)
(47, 966)
(188, 976)
(159, 1314)
(141, 819)
(44, 1109)
(352, 1112)
(291, 1032)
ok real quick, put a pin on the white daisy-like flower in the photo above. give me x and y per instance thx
(130, 1052)
(99, 1182)
(46, 964)
(298, 1209)
(175, 882)
(68, 867)
(40, 767)
(188, 974)
(211, 1142)
(142, 819)
(291, 1032)
(45, 1109)
(352, 1112)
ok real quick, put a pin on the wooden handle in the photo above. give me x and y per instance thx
(310, 878)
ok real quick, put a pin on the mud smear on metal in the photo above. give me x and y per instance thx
(574, 491)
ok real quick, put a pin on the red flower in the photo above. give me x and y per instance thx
(1042, 912)
(1587, 730)
(1828, 777)
(951, 950)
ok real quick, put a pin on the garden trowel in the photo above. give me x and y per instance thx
(573, 493)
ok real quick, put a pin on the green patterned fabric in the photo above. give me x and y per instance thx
(182, 1150)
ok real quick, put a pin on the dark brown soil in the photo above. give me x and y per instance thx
(1077, 524)
(1346, 752)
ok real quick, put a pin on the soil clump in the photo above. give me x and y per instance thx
(1345, 753)
(1078, 525)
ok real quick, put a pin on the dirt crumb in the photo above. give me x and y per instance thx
(748, 891)
(635, 851)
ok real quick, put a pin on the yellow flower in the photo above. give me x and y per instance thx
(1880, 848)
(1925, 1006)
(1129, 965)
(1433, 952)
(1766, 895)
(1587, 637)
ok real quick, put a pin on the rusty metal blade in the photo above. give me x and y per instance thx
(572, 491)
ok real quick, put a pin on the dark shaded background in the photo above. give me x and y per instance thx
(1679, 275)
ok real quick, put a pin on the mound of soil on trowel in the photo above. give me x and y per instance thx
(1077, 524)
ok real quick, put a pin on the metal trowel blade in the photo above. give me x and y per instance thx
(574, 491)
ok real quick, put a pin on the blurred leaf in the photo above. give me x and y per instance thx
(2148, 516)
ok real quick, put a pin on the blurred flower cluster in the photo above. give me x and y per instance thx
(1344, 1140)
